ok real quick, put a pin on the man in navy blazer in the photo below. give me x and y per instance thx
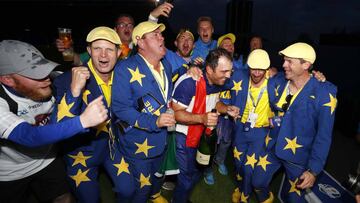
(86, 153)
(250, 94)
(305, 112)
(141, 90)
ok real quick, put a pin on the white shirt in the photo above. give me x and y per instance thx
(16, 161)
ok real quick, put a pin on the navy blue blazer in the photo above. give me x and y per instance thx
(305, 134)
(76, 105)
(138, 101)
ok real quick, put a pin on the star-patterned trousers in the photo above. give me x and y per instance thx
(246, 149)
(147, 184)
(83, 166)
(262, 178)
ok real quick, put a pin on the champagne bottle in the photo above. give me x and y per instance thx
(207, 145)
(169, 110)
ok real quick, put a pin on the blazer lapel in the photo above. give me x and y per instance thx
(154, 88)
(277, 89)
(168, 74)
(303, 94)
(94, 89)
(245, 92)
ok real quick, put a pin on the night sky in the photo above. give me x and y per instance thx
(278, 20)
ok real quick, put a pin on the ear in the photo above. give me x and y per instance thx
(208, 69)
(175, 42)
(119, 50)
(138, 39)
(88, 50)
(306, 66)
(7, 80)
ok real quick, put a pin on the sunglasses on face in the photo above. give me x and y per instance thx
(286, 105)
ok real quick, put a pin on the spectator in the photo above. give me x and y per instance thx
(227, 42)
(124, 25)
(256, 42)
(26, 104)
(205, 43)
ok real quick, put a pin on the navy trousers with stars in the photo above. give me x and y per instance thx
(262, 178)
(143, 172)
(84, 177)
(249, 144)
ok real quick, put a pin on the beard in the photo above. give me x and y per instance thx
(184, 54)
(35, 94)
(257, 80)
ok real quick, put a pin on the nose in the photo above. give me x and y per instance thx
(103, 53)
(161, 37)
(285, 64)
(257, 72)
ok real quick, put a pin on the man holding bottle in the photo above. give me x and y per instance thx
(141, 91)
(192, 103)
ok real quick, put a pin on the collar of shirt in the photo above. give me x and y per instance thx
(187, 59)
(104, 88)
(12, 91)
(285, 93)
(158, 75)
(160, 78)
(211, 44)
(131, 45)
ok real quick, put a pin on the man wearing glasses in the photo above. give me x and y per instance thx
(306, 111)
(124, 27)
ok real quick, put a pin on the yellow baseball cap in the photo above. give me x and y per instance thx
(230, 36)
(185, 30)
(145, 27)
(105, 33)
(259, 59)
(300, 50)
